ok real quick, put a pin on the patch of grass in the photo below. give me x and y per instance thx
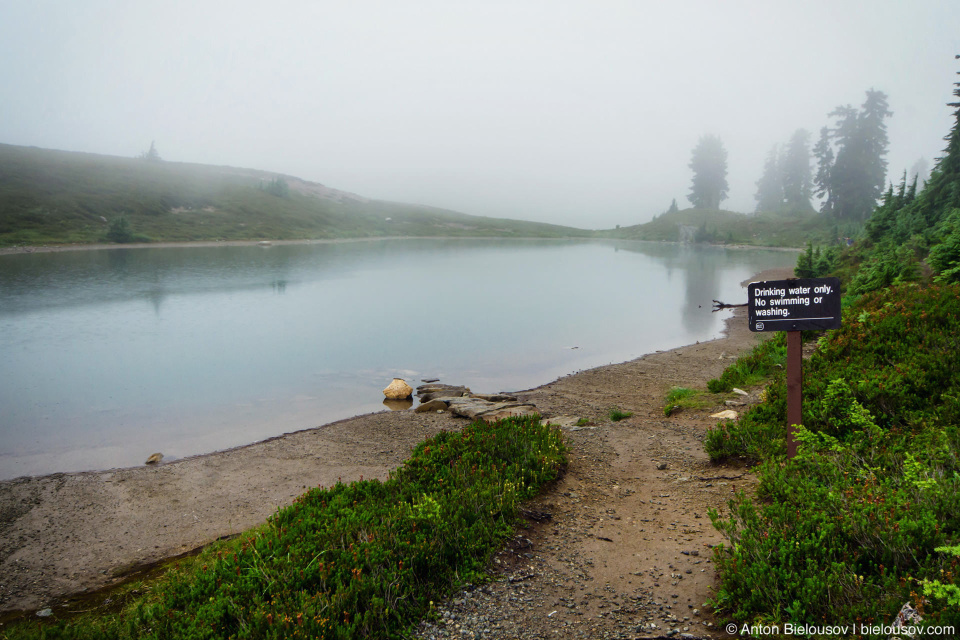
(363, 560)
(679, 398)
(616, 414)
(766, 359)
(583, 422)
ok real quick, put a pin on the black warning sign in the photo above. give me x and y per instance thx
(802, 304)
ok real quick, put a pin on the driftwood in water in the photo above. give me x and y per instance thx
(717, 305)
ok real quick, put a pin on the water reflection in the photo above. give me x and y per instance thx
(398, 405)
(90, 370)
(703, 267)
(702, 286)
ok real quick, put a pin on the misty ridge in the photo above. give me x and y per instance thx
(64, 197)
(582, 117)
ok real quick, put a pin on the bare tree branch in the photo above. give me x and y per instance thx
(717, 305)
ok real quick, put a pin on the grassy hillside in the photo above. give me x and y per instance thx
(66, 197)
(730, 227)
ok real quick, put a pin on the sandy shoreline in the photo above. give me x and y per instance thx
(65, 534)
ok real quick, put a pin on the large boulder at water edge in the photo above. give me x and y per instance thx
(398, 390)
(428, 392)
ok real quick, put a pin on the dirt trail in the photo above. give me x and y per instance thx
(626, 545)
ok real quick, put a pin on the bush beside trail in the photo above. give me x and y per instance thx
(365, 559)
(863, 519)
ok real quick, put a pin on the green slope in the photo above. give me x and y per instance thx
(51, 196)
(730, 227)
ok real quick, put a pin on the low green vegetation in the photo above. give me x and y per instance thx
(729, 227)
(866, 517)
(675, 397)
(680, 398)
(849, 529)
(64, 197)
(120, 232)
(754, 367)
(359, 560)
(616, 414)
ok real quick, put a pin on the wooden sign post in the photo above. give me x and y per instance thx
(801, 304)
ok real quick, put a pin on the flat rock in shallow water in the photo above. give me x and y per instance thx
(432, 405)
(513, 411)
(494, 397)
(474, 408)
(427, 392)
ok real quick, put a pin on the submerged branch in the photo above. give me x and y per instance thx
(717, 305)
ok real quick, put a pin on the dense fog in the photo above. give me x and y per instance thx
(578, 113)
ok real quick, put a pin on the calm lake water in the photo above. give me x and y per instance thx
(107, 356)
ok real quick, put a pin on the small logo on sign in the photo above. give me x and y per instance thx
(759, 326)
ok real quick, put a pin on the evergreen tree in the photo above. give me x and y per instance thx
(673, 206)
(873, 135)
(709, 164)
(856, 178)
(277, 187)
(909, 223)
(844, 180)
(769, 195)
(823, 152)
(795, 169)
(151, 155)
(920, 170)
(944, 184)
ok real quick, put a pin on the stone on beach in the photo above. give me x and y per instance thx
(511, 411)
(564, 422)
(475, 408)
(398, 390)
(729, 414)
(428, 392)
(154, 459)
(432, 405)
(494, 397)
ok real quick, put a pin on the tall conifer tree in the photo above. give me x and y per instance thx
(854, 180)
(709, 164)
(797, 186)
(769, 195)
(823, 152)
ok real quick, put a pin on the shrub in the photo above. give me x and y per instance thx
(362, 560)
(119, 231)
(850, 528)
(766, 358)
(617, 415)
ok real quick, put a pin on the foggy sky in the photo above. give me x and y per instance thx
(579, 113)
